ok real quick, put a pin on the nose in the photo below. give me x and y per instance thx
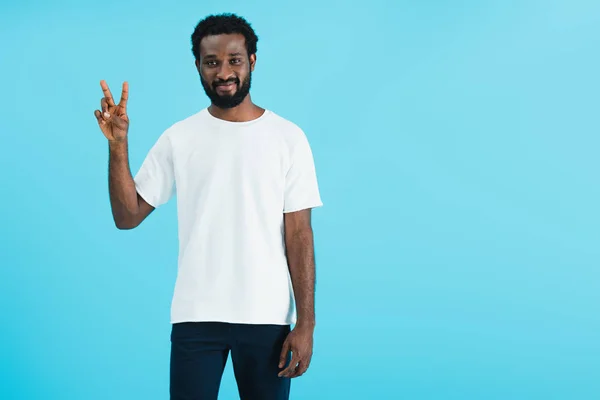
(225, 72)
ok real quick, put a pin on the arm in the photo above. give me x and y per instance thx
(129, 209)
(301, 262)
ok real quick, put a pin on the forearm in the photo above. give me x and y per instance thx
(301, 262)
(122, 191)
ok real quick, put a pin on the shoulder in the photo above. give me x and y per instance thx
(290, 132)
(176, 134)
(185, 125)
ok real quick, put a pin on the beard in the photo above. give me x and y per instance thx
(227, 101)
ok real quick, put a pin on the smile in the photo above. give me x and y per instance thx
(226, 87)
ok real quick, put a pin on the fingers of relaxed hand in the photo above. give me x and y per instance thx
(285, 350)
(288, 372)
(300, 369)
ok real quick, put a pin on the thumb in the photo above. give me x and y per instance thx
(119, 122)
(285, 350)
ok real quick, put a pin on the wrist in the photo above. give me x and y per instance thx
(117, 143)
(305, 324)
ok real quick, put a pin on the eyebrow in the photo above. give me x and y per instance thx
(230, 55)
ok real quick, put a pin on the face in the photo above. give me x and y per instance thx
(225, 69)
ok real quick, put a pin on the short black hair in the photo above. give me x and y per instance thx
(219, 24)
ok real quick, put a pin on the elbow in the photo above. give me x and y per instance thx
(127, 222)
(123, 227)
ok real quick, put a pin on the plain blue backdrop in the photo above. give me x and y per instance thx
(457, 149)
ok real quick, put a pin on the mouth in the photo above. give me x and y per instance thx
(223, 88)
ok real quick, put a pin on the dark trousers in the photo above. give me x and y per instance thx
(199, 352)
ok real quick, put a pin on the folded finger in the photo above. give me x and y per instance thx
(287, 372)
(104, 107)
(98, 116)
(300, 369)
(104, 104)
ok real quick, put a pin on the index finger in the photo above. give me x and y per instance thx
(285, 352)
(107, 93)
(124, 95)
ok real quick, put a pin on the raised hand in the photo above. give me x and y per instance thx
(112, 118)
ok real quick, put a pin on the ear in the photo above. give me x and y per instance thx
(252, 62)
(198, 66)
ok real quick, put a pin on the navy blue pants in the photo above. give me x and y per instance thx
(199, 352)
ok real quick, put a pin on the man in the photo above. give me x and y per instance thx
(245, 183)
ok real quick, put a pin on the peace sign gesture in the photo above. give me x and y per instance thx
(112, 118)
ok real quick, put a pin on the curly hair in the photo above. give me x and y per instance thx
(226, 23)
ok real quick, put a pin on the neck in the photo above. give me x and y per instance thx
(245, 111)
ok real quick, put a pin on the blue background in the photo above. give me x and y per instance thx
(457, 151)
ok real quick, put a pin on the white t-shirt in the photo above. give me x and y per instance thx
(233, 183)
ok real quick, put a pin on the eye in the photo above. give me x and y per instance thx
(211, 63)
(236, 60)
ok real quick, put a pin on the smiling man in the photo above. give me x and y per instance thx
(246, 184)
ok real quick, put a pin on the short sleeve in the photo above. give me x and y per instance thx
(155, 180)
(301, 185)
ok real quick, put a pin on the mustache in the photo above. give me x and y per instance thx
(228, 81)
